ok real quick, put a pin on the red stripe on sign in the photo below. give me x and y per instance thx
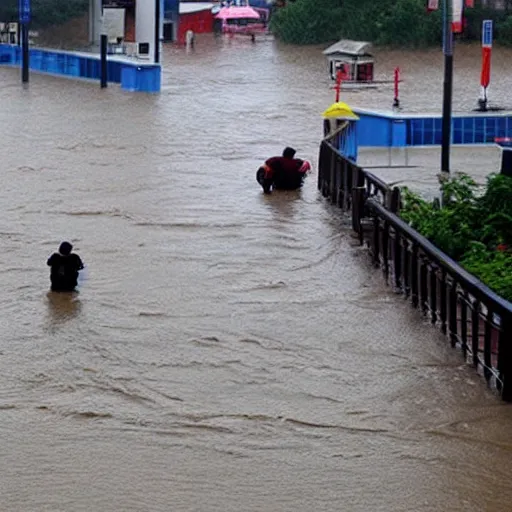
(485, 75)
(457, 27)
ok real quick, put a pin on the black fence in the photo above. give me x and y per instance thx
(473, 317)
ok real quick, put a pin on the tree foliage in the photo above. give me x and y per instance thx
(388, 22)
(45, 12)
(472, 227)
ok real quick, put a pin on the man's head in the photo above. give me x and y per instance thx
(289, 152)
(65, 248)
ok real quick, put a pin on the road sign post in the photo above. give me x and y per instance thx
(24, 14)
(485, 74)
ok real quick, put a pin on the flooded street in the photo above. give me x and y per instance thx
(228, 351)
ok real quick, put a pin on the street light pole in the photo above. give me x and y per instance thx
(447, 86)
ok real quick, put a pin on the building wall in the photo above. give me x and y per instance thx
(145, 23)
(129, 26)
(199, 22)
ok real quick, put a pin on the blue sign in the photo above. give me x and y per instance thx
(487, 33)
(25, 11)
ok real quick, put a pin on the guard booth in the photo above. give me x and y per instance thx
(352, 58)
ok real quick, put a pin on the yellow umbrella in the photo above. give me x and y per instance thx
(340, 110)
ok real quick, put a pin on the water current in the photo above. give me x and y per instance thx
(227, 351)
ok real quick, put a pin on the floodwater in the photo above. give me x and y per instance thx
(227, 351)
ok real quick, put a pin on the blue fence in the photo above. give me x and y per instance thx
(344, 138)
(390, 130)
(134, 76)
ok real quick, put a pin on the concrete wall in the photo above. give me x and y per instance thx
(145, 23)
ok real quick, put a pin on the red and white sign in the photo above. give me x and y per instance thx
(457, 8)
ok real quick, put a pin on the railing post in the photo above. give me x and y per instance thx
(397, 259)
(341, 169)
(406, 282)
(433, 294)
(394, 202)
(487, 345)
(423, 285)
(350, 184)
(475, 331)
(357, 210)
(452, 321)
(385, 249)
(321, 164)
(346, 168)
(332, 180)
(443, 305)
(414, 275)
(464, 324)
(376, 237)
(505, 357)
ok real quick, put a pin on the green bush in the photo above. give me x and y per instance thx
(494, 268)
(451, 227)
(472, 226)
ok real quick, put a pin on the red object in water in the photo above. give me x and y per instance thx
(485, 75)
(397, 80)
(337, 87)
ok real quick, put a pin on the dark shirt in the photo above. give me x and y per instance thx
(64, 271)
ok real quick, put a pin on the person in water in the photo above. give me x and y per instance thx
(65, 266)
(282, 172)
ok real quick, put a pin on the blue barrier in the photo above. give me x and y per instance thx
(132, 76)
(344, 136)
(347, 141)
(377, 129)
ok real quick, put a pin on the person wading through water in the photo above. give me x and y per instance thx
(65, 266)
(282, 172)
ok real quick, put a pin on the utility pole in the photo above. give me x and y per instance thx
(447, 85)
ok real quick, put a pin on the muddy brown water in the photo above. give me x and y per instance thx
(228, 351)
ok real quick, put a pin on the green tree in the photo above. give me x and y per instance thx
(45, 12)
(387, 22)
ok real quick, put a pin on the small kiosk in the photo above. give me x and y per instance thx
(353, 59)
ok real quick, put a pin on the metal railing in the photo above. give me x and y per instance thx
(473, 317)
